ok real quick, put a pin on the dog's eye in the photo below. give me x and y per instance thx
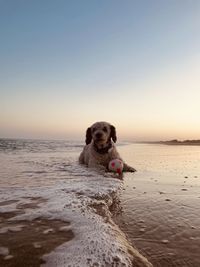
(105, 129)
(93, 130)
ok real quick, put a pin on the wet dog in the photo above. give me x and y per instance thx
(100, 148)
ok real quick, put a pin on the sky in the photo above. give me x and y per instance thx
(66, 64)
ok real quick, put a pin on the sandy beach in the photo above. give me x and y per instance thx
(25, 242)
(54, 212)
(161, 203)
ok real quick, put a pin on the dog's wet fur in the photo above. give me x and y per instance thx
(100, 147)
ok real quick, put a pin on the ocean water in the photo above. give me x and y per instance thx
(157, 208)
(56, 212)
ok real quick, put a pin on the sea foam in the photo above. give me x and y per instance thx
(84, 200)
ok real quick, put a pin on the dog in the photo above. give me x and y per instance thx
(100, 148)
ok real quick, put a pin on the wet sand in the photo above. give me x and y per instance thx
(51, 207)
(161, 205)
(23, 243)
(165, 226)
(26, 242)
(42, 190)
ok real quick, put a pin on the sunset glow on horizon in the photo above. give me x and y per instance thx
(65, 65)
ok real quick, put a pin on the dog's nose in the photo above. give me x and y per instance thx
(98, 135)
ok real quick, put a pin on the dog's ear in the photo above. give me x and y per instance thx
(113, 133)
(88, 136)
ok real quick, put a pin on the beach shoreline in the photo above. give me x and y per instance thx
(160, 203)
(51, 207)
(107, 220)
(35, 240)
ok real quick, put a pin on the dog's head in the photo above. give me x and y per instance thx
(101, 133)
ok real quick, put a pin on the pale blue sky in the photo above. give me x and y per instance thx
(67, 64)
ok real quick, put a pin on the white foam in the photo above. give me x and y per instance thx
(4, 251)
(98, 241)
(47, 231)
(37, 245)
(8, 257)
(16, 228)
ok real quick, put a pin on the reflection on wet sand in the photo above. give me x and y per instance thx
(23, 243)
(161, 205)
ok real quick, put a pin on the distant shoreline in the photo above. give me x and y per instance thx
(174, 142)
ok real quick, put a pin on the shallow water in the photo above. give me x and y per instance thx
(159, 209)
(161, 203)
(36, 163)
(41, 183)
